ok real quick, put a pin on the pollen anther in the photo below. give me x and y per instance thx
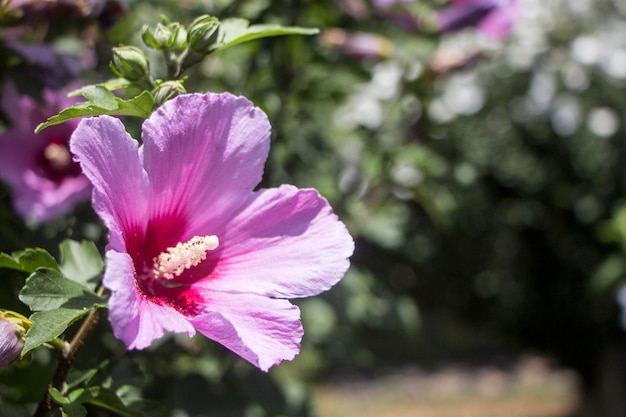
(175, 260)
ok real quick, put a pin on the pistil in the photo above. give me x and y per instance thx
(176, 260)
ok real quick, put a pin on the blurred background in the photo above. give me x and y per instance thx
(475, 150)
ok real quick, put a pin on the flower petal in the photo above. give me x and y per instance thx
(11, 343)
(499, 24)
(203, 148)
(285, 243)
(44, 201)
(135, 320)
(262, 330)
(110, 159)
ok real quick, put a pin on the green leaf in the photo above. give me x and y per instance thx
(48, 325)
(107, 399)
(73, 410)
(28, 260)
(608, 274)
(111, 85)
(236, 30)
(81, 261)
(57, 397)
(99, 96)
(149, 408)
(87, 376)
(138, 106)
(7, 261)
(47, 289)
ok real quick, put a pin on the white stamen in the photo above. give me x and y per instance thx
(174, 261)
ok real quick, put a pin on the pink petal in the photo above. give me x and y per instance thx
(285, 243)
(264, 331)
(110, 159)
(134, 319)
(201, 152)
(11, 343)
(44, 200)
(500, 23)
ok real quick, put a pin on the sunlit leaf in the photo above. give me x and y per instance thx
(28, 260)
(111, 85)
(48, 325)
(138, 106)
(47, 289)
(81, 261)
(236, 30)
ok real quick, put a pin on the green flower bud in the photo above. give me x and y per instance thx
(161, 38)
(202, 34)
(178, 39)
(167, 90)
(130, 62)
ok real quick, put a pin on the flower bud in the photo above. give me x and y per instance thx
(161, 38)
(130, 62)
(167, 90)
(178, 38)
(202, 33)
(13, 327)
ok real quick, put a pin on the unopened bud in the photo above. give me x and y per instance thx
(202, 33)
(167, 90)
(178, 38)
(130, 62)
(161, 38)
(13, 328)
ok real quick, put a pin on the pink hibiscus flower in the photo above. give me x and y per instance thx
(45, 181)
(191, 245)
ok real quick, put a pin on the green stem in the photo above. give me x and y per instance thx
(58, 344)
(66, 361)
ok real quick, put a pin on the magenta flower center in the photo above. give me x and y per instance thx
(55, 161)
(166, 265)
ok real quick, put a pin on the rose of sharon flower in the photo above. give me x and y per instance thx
(45, 181)
(191, 245)
(362, 45)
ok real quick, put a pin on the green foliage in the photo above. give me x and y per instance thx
(58, 294)
(72, 404)
(234, 31)
(58, 302)
(28, 260)
(101, 101)
(47, 289)
(81, 262)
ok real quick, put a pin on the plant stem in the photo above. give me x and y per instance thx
(66, 361)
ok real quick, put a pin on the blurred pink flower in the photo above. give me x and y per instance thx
(359, 45)
(385, 4)
(45, 182)
(106, 12)
(192, 246)
(494, 18)
(40, 63)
